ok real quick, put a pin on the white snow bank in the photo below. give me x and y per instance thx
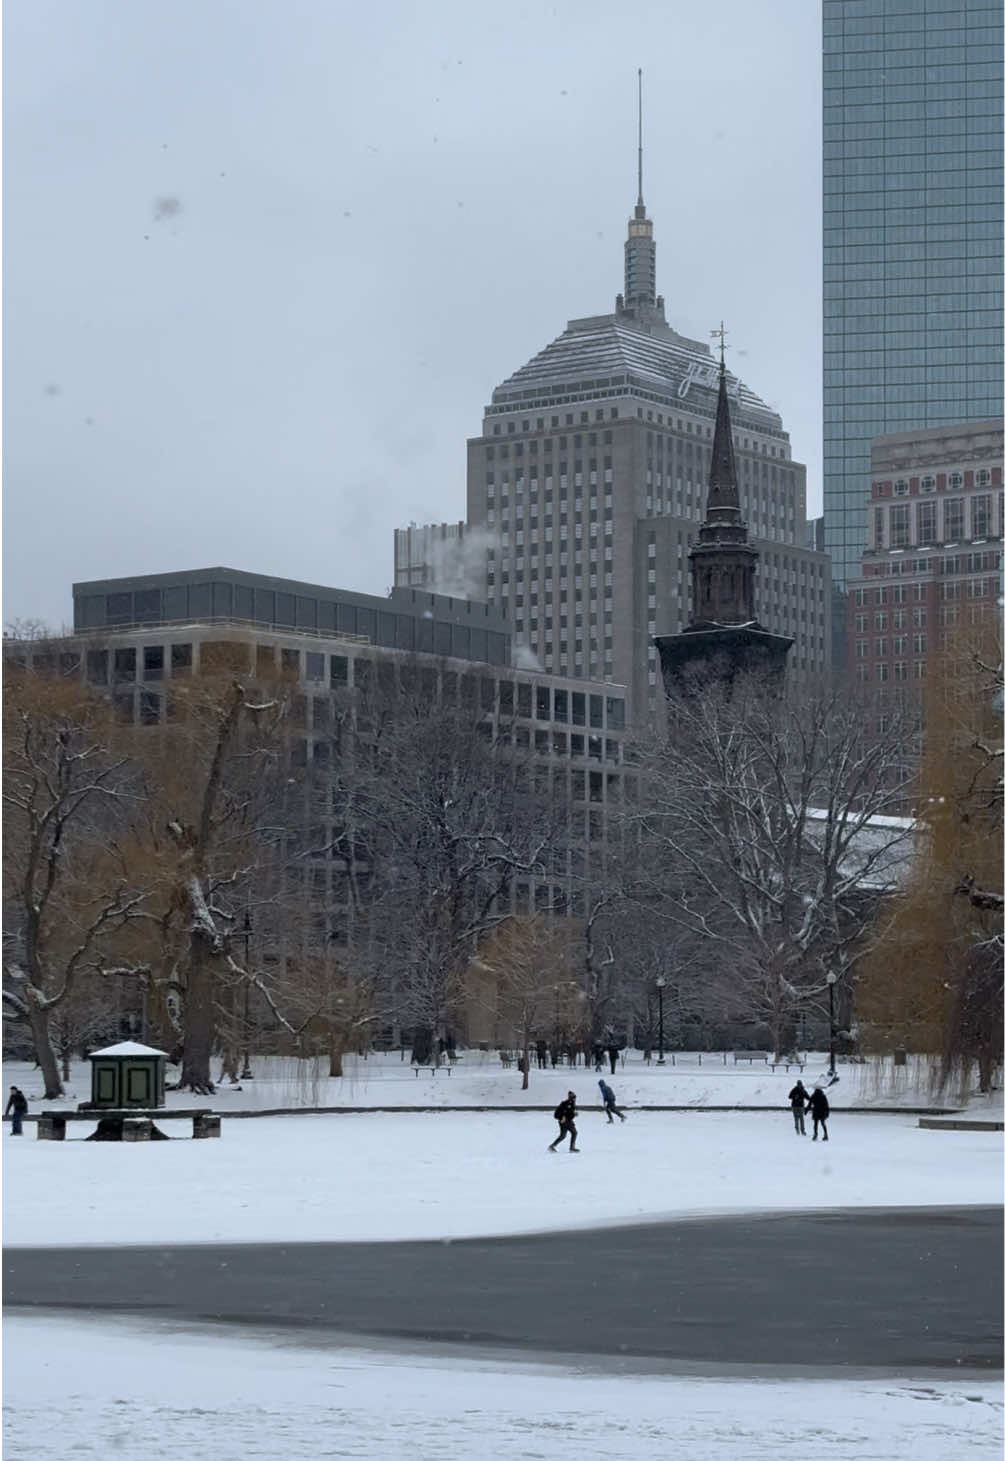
(133, 1390)
(479, 1079)
(465, 1174)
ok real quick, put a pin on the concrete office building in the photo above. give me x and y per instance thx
(933, 560)
(134, 636)
(912, 235)
(588, 481)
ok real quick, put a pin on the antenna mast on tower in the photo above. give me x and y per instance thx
(640, 136)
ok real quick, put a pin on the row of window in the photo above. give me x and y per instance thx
(909, 524)
(880, 647)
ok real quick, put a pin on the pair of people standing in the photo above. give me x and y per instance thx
(819, 1108)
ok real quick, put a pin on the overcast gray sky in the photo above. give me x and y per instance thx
(266, 259)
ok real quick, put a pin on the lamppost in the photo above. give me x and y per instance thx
(660, 986)
(831, 981)
(246, 1068)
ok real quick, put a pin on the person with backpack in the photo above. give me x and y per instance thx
(608, 1098)
(565, 1115)
(16, 1108)
(819, 1110)
(798, 1096)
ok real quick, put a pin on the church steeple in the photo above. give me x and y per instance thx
(722, 560)
(640, 300)
(723, 640)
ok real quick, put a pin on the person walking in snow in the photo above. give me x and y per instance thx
(607, 1096)
(565, 1115)
(819, 1110)
(16, 1108)
(798, 1096)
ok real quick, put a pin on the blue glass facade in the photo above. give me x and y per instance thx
(912, 234)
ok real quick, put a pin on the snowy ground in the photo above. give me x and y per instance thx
(479, 1079)
(378, 1176)
(129, 1390)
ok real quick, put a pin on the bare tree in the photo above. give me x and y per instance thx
(70, 799)
(767, 830)
(440, 828)
(530, 958)
(214, 777)
(934, 983)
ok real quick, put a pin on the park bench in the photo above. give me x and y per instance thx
(431, 1068)
(788, 1065)
(137, 1125)
(751, 1055)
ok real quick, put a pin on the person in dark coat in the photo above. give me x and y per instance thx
(16, 1108)
(819, 1110)
(798, 1096)
(565, 1115)
(607, 1096)
(612, 1054)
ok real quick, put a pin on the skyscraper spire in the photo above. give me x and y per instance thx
(639, 301)
(640, 203)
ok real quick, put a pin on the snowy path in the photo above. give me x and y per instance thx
(132, 1391)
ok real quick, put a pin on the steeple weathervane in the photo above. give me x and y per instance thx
(720, 335)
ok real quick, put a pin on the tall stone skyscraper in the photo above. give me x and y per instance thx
(588, 482)
(912, 234)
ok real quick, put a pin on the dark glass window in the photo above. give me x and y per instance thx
(181, 659)
(596, 711)
(148, 605)
(315, 665)
(118, 609)
(97, 666)
(339, 669)
(125, 664)
(578, 708)
(153, 662)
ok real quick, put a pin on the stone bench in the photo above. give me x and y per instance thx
(133, 1125)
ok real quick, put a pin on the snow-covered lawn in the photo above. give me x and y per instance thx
(465, 1173)
(479, 1079)
(135, 1390)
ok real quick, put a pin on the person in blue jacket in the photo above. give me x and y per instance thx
(607, 1096)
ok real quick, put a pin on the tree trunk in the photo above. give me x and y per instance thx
(335, 1049)
(199, 1022)
(38, 1020)
(525, 1062)
(422, 1045)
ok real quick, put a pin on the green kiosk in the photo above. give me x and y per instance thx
(127, 1074)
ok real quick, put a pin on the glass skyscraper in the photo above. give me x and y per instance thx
(912, 180)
